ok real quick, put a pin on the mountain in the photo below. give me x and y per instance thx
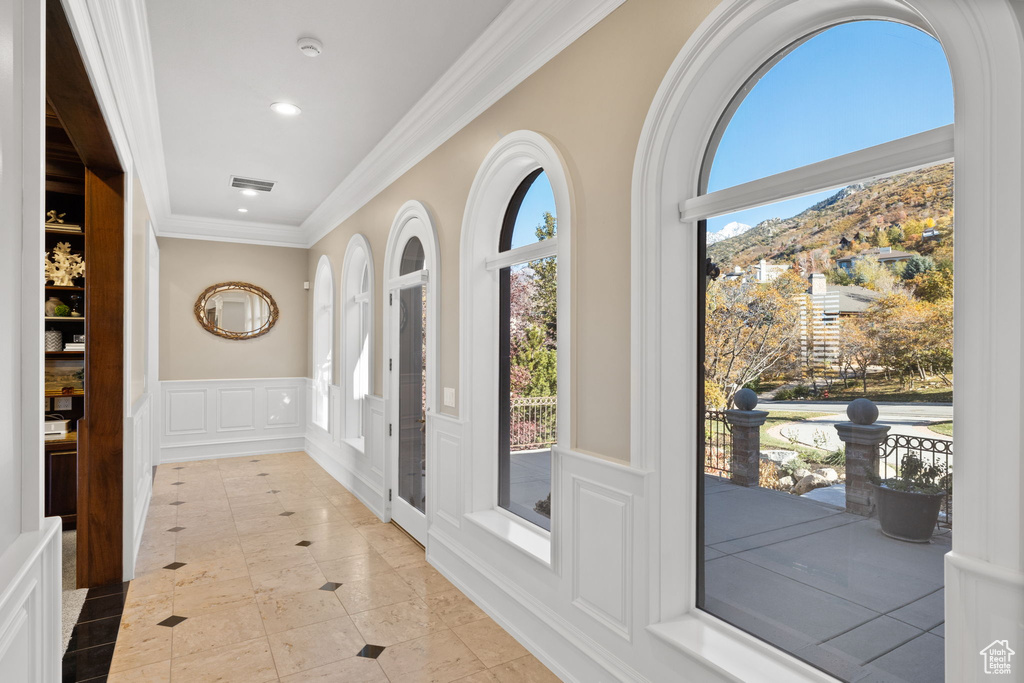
(731, 230)
(907, 200)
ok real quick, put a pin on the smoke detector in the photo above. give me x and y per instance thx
(311, 47)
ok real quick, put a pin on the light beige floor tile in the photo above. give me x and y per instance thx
(336, 547)
(490, 642)
(266, 506)
(299, 579)
(437, 658)
(217, 629)
(139, 646)
(248, 662)
(269, 540)
(296, 501)
(312, 646)
(211, 597)
(397, 623)
(276, 559)
(484, 676)
(425, 580)
(352, 670)
(200, 572)
(151, 583)
(354, 568)
(263, 524)
(526, 669)
(321, 532)
(147, 610)
(317, 515)
(454, 608)
(384, 537)
(299, 609)
(223, 549)
(375, 591)
(404, 556)
(151, 673)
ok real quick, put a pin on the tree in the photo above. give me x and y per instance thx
(934, 285)
(545, 297)
(750, 329)
(917, 265)
(871, 273)
(857, 347)
(539, 361)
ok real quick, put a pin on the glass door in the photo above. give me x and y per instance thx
(409, 490)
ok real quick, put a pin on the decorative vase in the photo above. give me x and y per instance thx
(75, 302)
(54, 340)
(51, 305)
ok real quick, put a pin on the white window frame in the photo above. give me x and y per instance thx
(984, 571)
(508, 163)
(357, 326)
(323, 344)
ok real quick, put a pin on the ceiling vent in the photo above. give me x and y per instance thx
(252, 184)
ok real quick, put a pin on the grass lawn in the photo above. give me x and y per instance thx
(881, 390)
(944, 428)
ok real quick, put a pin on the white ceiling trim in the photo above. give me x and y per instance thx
(524, 37)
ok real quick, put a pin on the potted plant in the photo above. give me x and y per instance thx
(908, 504)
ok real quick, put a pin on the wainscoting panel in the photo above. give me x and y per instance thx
(446, 478)
(223, 418)
(138, 468)
(30, 593)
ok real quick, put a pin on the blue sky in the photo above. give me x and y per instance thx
(538, 200)
(850, 87)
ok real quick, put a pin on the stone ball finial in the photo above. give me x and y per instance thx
(862, 411)
(745, 399)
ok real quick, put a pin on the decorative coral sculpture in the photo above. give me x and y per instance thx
(65, 266)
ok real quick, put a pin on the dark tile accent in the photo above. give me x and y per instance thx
(179, 468)
(254, 461)
(178, 483)
(178, 502)
(263, 474)
(305, 544)
(175, 565)
(93, 633)
(110, 589)
(176, 529)
(101, 608)
(370, 651)
(90, 663)
(330, 586)
(172, 621)
(274, 491)
(286, 514)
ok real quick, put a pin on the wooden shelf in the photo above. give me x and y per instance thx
(50, 231)
(51, 394)
(62, 288)
(64, 354)
(70, 440)
(63, 318)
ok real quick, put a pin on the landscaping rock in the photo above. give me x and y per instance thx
(800, 473)
(809, 483)
(786, 482)
(830, 474)
(779, 455)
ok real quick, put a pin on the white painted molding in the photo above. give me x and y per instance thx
(351, 409)
(224, 230)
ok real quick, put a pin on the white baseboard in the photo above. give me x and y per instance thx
(548, 636)
(230, 448)
(30, 606)
(333, 459)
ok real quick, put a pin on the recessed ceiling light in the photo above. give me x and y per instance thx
(243, 210)
(286, 108)
(250, 193)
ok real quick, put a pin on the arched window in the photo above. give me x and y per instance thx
(323, 341)
(528, 350)
(516, 367)
(828, 177)
(357, 330)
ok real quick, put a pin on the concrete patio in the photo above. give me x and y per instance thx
(825, 585)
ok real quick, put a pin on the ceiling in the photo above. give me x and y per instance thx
(219, 65)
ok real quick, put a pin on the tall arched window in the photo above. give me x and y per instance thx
(516, 369)
(357, 330)
(829, 178)
(323, 341)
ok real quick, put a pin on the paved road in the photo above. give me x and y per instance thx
(888, 412)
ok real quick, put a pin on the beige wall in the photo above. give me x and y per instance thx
(591, 101)
(140, 230)
(187, 351)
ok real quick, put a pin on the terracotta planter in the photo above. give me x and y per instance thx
(907, 516)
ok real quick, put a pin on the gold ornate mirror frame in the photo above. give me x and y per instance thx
(200, 310)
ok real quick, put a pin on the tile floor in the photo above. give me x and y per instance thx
(266, 569)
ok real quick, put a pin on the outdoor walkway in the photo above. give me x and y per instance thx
(266, 569)
(825, 585)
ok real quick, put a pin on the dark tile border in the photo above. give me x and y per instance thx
(91, 648)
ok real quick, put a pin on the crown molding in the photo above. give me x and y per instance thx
(521, 39)
(525, 36)
(222, 230)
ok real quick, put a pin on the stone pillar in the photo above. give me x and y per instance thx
(746, 438)
(862, 438)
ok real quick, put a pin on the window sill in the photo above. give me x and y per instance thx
(533, 541)
(732, 652)
(357, 443)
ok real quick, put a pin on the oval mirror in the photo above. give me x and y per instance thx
(236, 310)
